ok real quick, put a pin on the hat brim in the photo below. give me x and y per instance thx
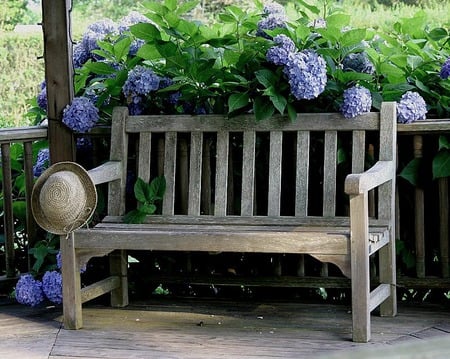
(56, 227)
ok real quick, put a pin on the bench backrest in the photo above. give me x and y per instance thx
(221, 166)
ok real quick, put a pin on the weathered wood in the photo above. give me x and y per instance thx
(328, 238)
(8, 216)
(99, 288)
(443, 225)
(58, 76)
(419, 214)
(107, 172)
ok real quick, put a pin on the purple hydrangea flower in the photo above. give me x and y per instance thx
(80, 55)
(358, 62)
(42, 99)
(279, 54)
(306, 73)
(81, 115)
(58, 260)
(97, 32)
(318, 23)
(445, 70)
(134, 17)
(52, 286)
(29, 290)
(136, 109)
(273, 8)
(140, 82)
(42, 162)
(274, 17)
(357, 100)
(411, 107)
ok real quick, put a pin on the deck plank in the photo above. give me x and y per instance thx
(220, 329)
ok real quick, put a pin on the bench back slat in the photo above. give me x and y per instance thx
(276, 149)
(302, 173)
(170, 158)
(248, 172)
(273, 168)
(329, 173)
(222, 156)
(195, 173)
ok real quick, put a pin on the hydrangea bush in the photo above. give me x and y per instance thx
(269, 59)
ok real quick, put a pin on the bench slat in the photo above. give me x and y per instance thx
(248, 173)
(145, 146)
(329, 173)
(274, 196)
(302, 173)
(195, 173)
(358, 151)
(223, 144)
(170, 159)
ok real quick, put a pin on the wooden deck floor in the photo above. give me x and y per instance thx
(221, 329)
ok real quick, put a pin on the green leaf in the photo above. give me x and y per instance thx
(157, 188)
(279, 102)
(237, 101)
(444, 143)
(148, 208)
(148, 52)
(266, 78)
(438, 33)
(411, 171)
(134, 216)
(292, 113)
(353, 37)
(146, 31)
(262, 108)
(122, 48)
(20, 210)
(142, 191)
(100, 68)
(441, 164)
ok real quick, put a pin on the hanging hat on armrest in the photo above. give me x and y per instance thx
(63, 198)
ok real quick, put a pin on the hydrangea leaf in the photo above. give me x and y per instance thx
(134, 216)
(122, 48)
(444, 143)
(353, 37)
(266, 78)
(411, 171)
(262, 108)
(441, 164)
(100, 68)
(148, 52)
(142, 190)
(237, 101)
(438, 34)
(157, 188)
(146, 31)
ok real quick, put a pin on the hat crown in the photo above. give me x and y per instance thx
(62, 197)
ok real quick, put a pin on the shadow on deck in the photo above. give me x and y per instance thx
(221, 329)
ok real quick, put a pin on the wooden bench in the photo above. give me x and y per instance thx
(346, 240)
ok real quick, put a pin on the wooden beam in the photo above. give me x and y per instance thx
(58, 75)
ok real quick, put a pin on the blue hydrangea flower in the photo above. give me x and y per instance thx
(357, 100)
(134, 17)
(318, 23)
(140, 82)
(136, 109)
(358, 62)
(52, 286)
(135, 46)
(80, 55)
(29, 290)
(97, 31)
(42, 162)
(411, 107)
(445, 70)
(58, 260)
(42, 99)
(273, 8)
(279, 54)
(306, 73)
(81, 115)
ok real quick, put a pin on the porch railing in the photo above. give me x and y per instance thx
(25, 136)
(429, 242)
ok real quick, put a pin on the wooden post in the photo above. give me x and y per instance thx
(419, 215)
(443, 225)
(58, 75)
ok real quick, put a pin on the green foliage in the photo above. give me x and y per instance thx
(147, 195)
(441, 162)
(20, 74)
(44, 254)
(12, 12)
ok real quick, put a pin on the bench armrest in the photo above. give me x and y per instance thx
(378, 174)
(107, 172)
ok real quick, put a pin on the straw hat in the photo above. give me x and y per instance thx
(63, 198)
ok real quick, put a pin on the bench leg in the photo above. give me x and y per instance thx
(71, 284)
(118, 264)
(360, 275)
(388, 276)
